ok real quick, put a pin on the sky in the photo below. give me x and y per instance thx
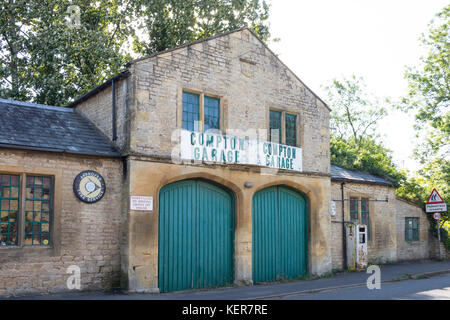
(325, 39)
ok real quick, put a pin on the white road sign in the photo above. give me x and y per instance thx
(437, 216)
(435, 197)
(436, 207)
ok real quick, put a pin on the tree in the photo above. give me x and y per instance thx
(429, 88)
(355, 113)
(53, 51)
(429, 96)
(354, 143)
(171, 23)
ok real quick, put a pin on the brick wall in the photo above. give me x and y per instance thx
(86, 235)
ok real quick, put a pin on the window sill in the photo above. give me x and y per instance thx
(26, 251)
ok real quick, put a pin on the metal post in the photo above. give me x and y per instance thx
(344, 240)
(439, 239)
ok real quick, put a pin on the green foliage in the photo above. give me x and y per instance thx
(354, 144)
(428, 96)
(171, 23)
(365, 155)
(47, 57)
(429, 86)
(412, 190)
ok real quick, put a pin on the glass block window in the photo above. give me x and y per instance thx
(191, 111)
(354, 209)
(365, 215)
(37, 210)
(9, 209)
(411, 229)
(275, 126)
(291, 129)
(212, 113)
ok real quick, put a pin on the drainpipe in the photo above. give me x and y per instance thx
(114, 120)
(344, 241)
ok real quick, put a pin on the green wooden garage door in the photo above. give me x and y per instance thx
(196, 236)
(280, 235)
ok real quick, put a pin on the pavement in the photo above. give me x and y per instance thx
(389, 273)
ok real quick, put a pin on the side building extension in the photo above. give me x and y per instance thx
(397, 230)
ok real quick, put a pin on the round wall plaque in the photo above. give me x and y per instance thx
(89, 186)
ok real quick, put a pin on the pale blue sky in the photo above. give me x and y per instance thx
(325, 39)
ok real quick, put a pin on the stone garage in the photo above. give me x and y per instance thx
(202, 166)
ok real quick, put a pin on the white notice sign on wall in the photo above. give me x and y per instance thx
(141, 203)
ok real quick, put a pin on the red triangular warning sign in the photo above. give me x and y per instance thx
(435, 197)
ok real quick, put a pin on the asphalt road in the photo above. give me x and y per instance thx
(346, 285)
(433, 288)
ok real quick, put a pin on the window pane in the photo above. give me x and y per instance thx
(354, 209)
(291, 129)
(365, 215)
(411, 229)
(275, 126)
(212, 113)
(191, 110)
(9, 208)
(37, 210)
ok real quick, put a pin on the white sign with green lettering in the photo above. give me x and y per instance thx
(225, 149)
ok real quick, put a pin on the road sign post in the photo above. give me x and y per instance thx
(435, 205)
(439, 239)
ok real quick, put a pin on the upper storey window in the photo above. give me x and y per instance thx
(283, 127)
(212, 113)
(191, 111)
(200, 112)
(291, 129)
(275, 126)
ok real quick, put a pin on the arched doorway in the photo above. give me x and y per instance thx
(280, 234)
(196, 236)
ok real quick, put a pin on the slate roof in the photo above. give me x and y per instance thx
(38, 127)
(341, 174)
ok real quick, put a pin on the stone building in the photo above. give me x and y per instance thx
(397, 230)
(214, 162)
(45, 229)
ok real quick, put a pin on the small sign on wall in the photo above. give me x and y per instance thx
(333, 208)
(141, 203)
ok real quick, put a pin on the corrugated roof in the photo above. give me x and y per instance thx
(341, 174)
(39, 127)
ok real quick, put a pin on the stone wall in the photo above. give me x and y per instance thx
(244, 74)
(412, 250)
(98, 110)
(147, 177)
(382, 246)
(86, 235)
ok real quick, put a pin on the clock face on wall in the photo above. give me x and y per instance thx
(89, 186)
